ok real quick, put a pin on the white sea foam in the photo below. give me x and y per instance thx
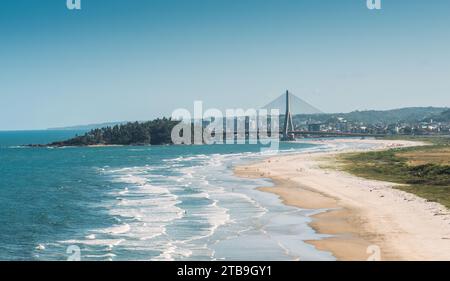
(96, 242)
(180, 208)
(125, 191)
(108, 255)
(118, 229)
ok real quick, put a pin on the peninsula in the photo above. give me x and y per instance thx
(156, 132)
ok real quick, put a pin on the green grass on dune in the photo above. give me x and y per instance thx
(430, 179)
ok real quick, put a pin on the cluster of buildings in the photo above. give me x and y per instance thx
(341, 125)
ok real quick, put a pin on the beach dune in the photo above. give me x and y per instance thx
(368, 220)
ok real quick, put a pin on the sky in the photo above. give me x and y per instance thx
(117, 60)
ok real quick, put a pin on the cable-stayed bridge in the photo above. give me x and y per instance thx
(293, 105)
(289, 105)
(296, 105)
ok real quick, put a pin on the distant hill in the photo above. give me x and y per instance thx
(409, 114)
(442, 117)
(88, 127)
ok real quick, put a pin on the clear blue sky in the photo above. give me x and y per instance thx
(139, 59)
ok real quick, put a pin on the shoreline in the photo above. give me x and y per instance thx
(367, 219)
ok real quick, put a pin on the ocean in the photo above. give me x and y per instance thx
(143, 203)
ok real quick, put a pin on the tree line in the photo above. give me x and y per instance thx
(156, 132)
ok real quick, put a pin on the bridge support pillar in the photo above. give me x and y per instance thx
(288, 124)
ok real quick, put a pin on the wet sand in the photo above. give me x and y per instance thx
(367, 219)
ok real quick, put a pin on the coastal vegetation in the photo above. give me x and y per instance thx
(408, 114)
(422, 170)
(156, 132)
(403, 121)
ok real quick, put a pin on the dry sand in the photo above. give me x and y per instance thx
(364, 215)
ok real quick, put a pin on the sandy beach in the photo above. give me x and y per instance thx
(367, 219)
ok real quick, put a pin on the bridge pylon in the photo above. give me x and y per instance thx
(288, 124)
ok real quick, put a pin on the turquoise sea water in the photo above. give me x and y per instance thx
(142, 203)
